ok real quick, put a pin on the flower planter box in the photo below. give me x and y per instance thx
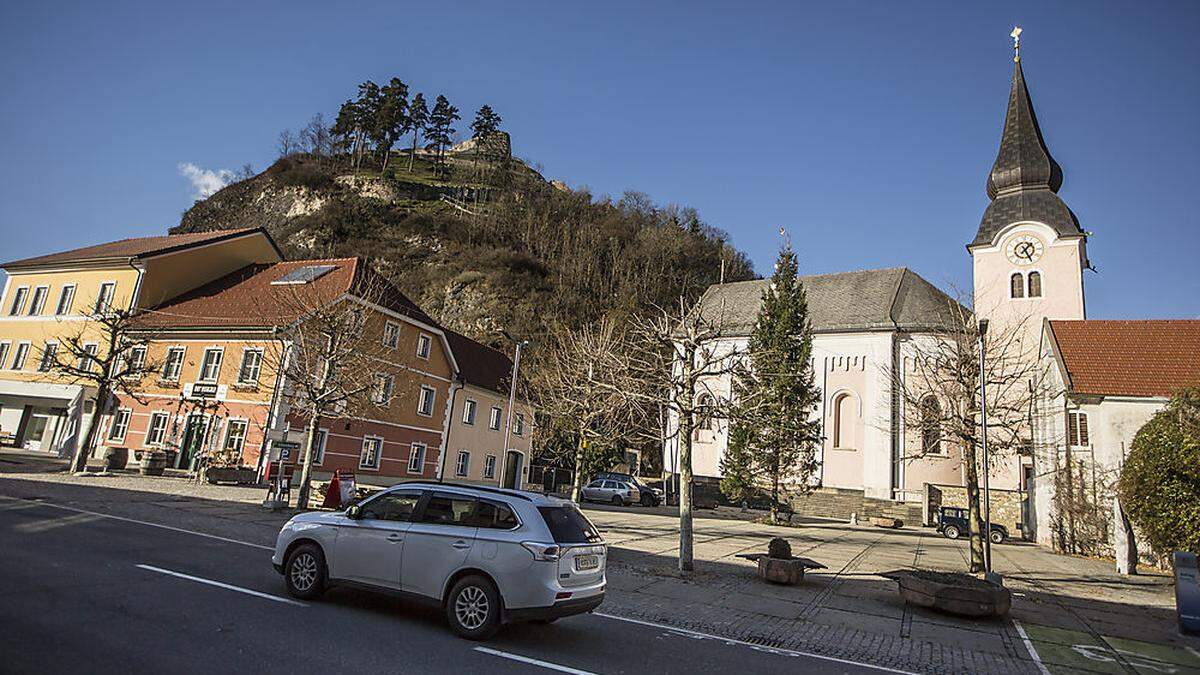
(153, 463)
(231, 474)
(952, 592)
(784, 571)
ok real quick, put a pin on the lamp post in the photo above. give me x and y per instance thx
(512, 399)
(987, 497)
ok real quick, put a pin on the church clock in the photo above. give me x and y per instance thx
(1025, 249)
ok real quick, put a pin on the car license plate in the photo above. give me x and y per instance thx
(584, 563)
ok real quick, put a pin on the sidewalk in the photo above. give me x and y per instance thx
(1076, 614)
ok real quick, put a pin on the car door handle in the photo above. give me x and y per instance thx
(394, 537)
(460, 545)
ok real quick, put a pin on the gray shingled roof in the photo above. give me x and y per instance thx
(1024, 179)
(886, 299)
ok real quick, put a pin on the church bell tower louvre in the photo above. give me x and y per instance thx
(1029, 252)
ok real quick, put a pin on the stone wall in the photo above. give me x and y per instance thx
(1006, 505)
(839, 503)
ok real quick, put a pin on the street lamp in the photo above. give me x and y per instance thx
(987, 496)
(512, 399)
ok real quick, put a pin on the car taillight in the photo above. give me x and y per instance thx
(542, 552)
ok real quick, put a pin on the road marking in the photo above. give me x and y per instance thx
(52, 523)
(218, 584)
(1029, 645)
(763, 648)
(533, 662)
(158, 525)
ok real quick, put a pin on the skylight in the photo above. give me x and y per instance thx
(304, 275)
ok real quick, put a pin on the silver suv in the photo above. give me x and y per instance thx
(487, 556)
(617, 492)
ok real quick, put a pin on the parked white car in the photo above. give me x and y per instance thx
(487, 556)
(616, 492)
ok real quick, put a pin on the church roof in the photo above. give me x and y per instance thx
(1128, 358)
(1025, 179)
(895, 298)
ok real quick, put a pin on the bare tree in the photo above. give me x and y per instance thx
(331, 364)
(679, 365)
(938, 385)
(288, 143)
(104, 355)
(315, 136)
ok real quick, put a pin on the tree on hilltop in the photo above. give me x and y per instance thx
(418, 119)
(391, 119)
(440, 130)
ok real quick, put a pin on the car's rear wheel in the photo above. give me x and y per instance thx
(647, 500)
(616, 500)
(997, 537)
(473, 608)
(951, 532)
(304, 572)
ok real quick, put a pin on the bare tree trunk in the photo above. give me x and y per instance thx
(974, 512)
(412, 154)
(577, 480)
(79, 461)
(686, 563)
(306, 465)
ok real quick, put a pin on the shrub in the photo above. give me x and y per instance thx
(780, 549)
(1160, 482)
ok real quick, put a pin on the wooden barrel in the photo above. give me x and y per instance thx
(153, 463)
(115, 458)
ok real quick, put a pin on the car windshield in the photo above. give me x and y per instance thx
(568, 526)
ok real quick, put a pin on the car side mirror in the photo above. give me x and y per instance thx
(354, 512)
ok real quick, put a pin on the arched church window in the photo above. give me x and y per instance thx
(704, 411)
(1035, 284)
(931, 427)
(1016, 286)
(843, 421)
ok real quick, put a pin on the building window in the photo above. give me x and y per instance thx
(369, 457)
(173, 364)
(519, 424)
(65, 299)
(210, 367)
(19, 357)
(843, 421)
(120, 425)
(39, 300)
(1035, 284)
(931, 426)
(489, 466)
(18, 302)
(391, 334)
(469, 411)
(416, 458)
(381, 389)
(1016, 285)
(105, 297)
(704, 412)
(88, 357)
(251, 366)
(137, 360)
(1077, 429)
(157, 429)
(424, 345)
(235, 436)
(319, 446)
(464, 461)
(426, 401)
(49, 357)
(494, 422)
(4, 347)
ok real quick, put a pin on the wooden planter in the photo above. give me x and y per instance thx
(153, 463)
(115, 458)
(953, 593)
(231, 474)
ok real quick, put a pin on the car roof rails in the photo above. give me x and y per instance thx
(467, 486)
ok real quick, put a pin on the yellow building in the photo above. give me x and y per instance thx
(50, 297)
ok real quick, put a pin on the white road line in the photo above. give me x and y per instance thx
(158, 525)
(219, 584)
(533, 662)
(1029, 646)
(762, 648)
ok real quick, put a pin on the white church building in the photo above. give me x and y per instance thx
(1029, 256)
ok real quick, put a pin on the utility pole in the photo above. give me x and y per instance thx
(512, 400)
(987, 497)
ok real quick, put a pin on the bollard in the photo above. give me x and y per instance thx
(1187, 592)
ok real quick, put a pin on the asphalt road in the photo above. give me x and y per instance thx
(82, 592)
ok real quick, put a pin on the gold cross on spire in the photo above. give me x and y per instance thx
(1016, 36)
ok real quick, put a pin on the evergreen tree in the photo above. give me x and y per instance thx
(777, 394)
(737, 464)
(440, 130)
(486, 123)
(391, 120)
(418, 118)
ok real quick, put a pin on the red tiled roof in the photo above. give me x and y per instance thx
(1129, 358)
(136, 247)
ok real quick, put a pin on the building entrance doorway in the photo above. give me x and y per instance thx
(193, 441)
(512, 470)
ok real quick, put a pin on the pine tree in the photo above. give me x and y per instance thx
(440, 130)
(418, 118)
(737, 464)
(391, 118)
(486, 123)
(777, 394)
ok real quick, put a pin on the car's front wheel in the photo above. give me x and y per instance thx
(304, 572)
(473, 608)
(617, 501)
(951, 532)
(997, 537)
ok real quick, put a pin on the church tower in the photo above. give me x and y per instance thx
(1029, 252)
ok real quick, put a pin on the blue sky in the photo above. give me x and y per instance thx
(864, 128)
